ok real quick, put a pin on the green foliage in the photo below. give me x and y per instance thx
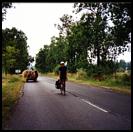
(56, 70)
(10, 55)
(5, 6)
(125, 78)
(129, 65)
(11, 87)
(121, 69)
(110, 82)
(122, 64)
(80, 42)
(40, 61)
(102, 71)
(81, 74)
(14, 49)
(14, 79)
(106, 41)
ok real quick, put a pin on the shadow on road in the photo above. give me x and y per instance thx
(31, 81)
(62, 94)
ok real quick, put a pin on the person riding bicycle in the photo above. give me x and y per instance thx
(63, 75)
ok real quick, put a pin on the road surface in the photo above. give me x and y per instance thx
(42, 107)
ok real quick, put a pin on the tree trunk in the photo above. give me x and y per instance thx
(98, 54)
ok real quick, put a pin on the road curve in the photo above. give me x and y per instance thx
(42, 107)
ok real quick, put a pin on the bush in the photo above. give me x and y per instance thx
(121, 69)
(123, 79)
(14, 79)
(56, 70)
(81, 74)
(95, 72)
(91, 70)
(101, 72)
(126, 79)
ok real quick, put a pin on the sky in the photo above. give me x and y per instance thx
(37, 21)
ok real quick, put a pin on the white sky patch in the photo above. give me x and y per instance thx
(37, 21)
(126, 56)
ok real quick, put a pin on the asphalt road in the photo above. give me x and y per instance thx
(42, 107)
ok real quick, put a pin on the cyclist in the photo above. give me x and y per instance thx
(63, 76)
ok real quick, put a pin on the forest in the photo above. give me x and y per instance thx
(91, 43)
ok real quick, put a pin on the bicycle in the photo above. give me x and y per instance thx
(62, 86)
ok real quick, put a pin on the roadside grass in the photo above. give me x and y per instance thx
(11, 90)
(115, 83)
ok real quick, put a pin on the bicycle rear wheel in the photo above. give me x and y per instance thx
(62, 89)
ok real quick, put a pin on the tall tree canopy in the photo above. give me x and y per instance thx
(102, 33)
(106, 41)
(14, 49)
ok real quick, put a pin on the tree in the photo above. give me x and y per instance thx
(77, 47)
(10, 57)
(106, 41)
(5, 6)
(129, 65)
(14, 47)
(72, 41)
(80, 42)
(95, 23)
(41, 59)
(122, 64)
(64, 27)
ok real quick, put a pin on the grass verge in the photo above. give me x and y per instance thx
(11, 90)
(112, 84)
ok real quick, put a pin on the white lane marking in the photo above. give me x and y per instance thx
(88, 102)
